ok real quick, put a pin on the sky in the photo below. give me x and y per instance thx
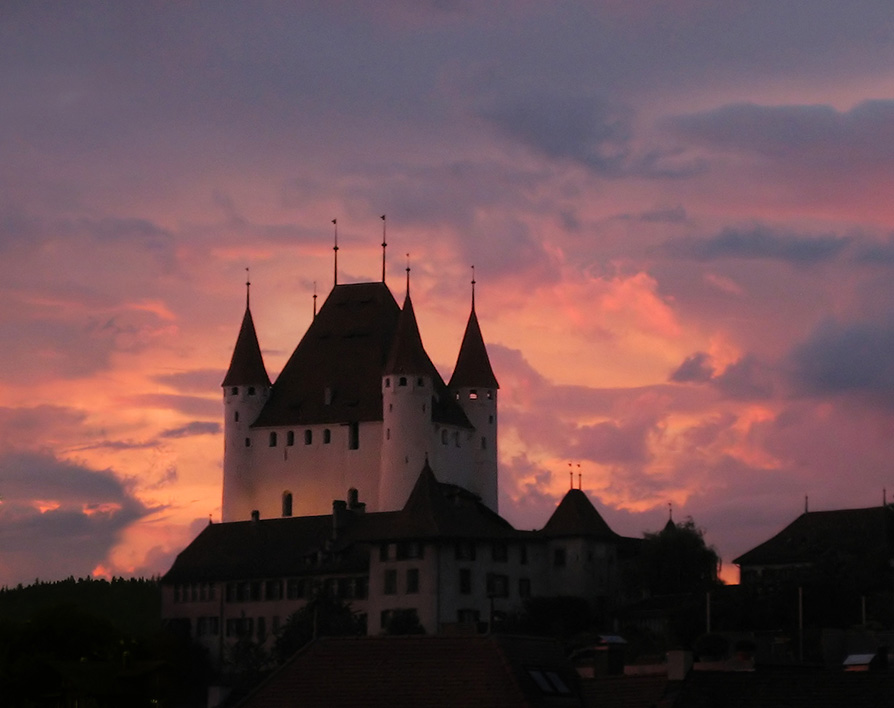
(679, 215)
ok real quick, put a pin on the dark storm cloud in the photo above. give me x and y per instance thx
(815, 136)
(842, 357)
(59, 518)
(587, 130)
(760, 243)
(196, 427)
(746, 379)
(696, 368)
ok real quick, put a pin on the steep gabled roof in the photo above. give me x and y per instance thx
(437, 510)
(472, 364)
(407, 355)
(815, 534)
(246, 364)
(344, 350)
(576, 516)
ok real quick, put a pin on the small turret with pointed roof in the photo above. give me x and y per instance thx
(247, 363)
(473, 367)
(408, 356)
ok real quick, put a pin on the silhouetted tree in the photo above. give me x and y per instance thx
(322, 616)
(677, 561)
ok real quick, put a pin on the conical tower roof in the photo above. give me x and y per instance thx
(576, 516)
(473, 367)
(247, 364)
(408, 356)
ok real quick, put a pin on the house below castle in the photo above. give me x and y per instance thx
(444, 559)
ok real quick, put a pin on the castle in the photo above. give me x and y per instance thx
(359, 408)
(359, 405)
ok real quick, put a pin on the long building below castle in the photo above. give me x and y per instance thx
(359, 405)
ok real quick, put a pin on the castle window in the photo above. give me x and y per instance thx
(390, 582)
(236, 416)
(286, 503)
(473, 395)
(273, 439)
(443, 437)
(290, 438)
(273, 590)
(327, 436)
(388, 382)
(420, 382)
(490, 419)
(353, 436)
(247, 442)
(308, 437)
(251, 390)
(388, 433)
(465, 581)
(456, 438)
(559, 557)
(383, 552)
(490, 395)
(412, 580)
(402, 381)
(234, 390)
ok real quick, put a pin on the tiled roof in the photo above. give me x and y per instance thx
(473, 365)
(256, 549)
(407, 355)
(576, 516)
(415, 671)
(815, 534)
(345, 350)
(246, 364)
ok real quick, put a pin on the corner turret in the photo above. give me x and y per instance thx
(408, 385)
(246, 388)
(475, 386)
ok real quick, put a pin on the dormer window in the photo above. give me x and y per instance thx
(473, 395)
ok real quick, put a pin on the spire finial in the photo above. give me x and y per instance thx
(670, 511)
(579, 478)
(408, 275)
(806, 506)
(247, 289)
(315, 299)
(473, 287)
(384, 246)
(570, 476)
(335, 250)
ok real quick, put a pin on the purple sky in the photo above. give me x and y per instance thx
(679, 214)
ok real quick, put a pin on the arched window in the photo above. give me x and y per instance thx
(286, 503)
(290, 438)
(247, 442)
(388, 382)
(327, 436)
(402, 381)
(273, 439)
(308, 437)
(236, 416)
(251, 390)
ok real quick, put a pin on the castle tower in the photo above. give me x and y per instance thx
(475, 387)
(246, 388)
(408, 383)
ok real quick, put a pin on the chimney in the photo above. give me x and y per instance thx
(339, 516)
(354, 503)
(255, 515)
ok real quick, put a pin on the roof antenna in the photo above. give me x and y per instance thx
(408, 275)
(335, 249)
(473, 287)
(247, 288)
(315, 299)
(384, 246)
